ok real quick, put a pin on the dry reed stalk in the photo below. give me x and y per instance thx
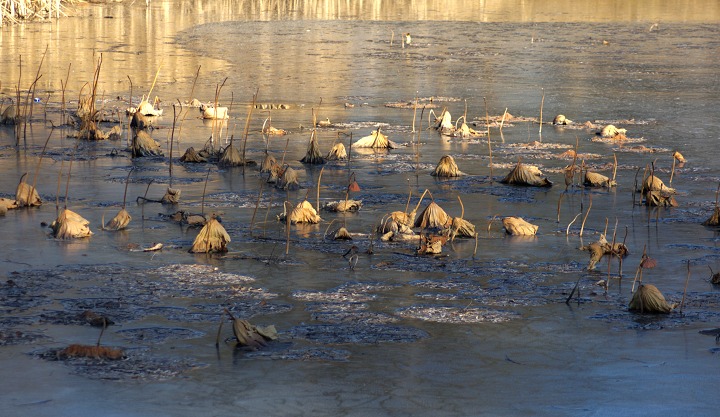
(586, 216)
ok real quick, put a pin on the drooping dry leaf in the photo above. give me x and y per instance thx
(516, 226)
(526, 175)
(288, 180)
(304, 212)
(210, 112)
(610, 131)
(268, 163)
(70, 225)
(714, 219)
(593, 179)
(560, 119)
(653, 183)
(313, 156)
(191, 155)
(211, 238)
(447, 168)
(120, 221)
(231, 157)
(26, 195)
(648, 299)
(376, 140)
(337, 153)
(144, 145)
(343, 205)
(433, 217)
(172, 196)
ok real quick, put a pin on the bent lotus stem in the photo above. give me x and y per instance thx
(127, 180)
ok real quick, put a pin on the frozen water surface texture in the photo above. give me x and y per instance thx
(294, 141)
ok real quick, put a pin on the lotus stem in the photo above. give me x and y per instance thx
(639, 269)
(415, 111)
(153, 83)
(558, 206)
(462, 207)
(127, 180)
(567, 231)
(287, 227)
(421, 199)
(37, 168)
(317, 197)
(502, 121)
(672, 172)
(687, 279)
(217, 337)
(247, 127)
(542, 102)
(328, 227)
(257, 204)
(582, 227)
(192, 92)
(202, 201)
(487, 123)
(615, 166)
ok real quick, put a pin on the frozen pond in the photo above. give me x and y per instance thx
(482, 328)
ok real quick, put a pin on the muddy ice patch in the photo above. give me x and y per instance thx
(158, 335)
(456, 314)
(134, 365)
(12, 336)
(214, 312)
(324, 354)
(351, 292)
(357, 333)
(352, 312)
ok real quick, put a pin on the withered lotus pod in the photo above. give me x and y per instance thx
(560, 119)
